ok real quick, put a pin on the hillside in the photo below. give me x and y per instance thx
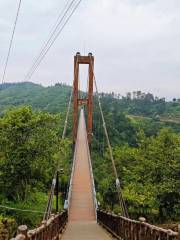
(51, 99)
(144, 104)
(146, 111)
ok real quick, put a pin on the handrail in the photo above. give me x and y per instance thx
(127, 229)
(92, 177)
(71, 179)
(50, 229)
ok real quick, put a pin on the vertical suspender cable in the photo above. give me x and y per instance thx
(50, 199)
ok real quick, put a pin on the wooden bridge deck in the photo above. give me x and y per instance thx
(82, 220)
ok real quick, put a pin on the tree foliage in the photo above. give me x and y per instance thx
(149, 176)
(146, 150)
(30, 149)
(28, 141)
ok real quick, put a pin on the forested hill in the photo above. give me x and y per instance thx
(143, 104)
(51, 99)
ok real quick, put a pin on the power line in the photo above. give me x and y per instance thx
(56, 36)
(52, 33)
(44, 54)
(11, 41)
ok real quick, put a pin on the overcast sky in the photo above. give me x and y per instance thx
(136, 43)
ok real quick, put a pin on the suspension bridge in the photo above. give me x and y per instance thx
(81, 217)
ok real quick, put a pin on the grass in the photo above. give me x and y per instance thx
(36, 202)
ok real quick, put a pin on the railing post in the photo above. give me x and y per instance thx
(31, 233)
(172, 235)
(22, 230)
(142, 232)
(142, 219)
(131, 228)
(43, 223)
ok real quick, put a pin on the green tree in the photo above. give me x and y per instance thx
(28, 141)
(150, 174)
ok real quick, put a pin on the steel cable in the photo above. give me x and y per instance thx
(11, 41)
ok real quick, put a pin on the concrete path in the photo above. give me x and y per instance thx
(82, 220)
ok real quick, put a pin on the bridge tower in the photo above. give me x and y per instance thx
(88, 101)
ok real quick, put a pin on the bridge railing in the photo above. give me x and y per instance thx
(92, 177)
(71, 179)
(48, 230)
(127, 229)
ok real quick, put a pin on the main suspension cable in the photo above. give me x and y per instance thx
(118, 186)
(11, 41)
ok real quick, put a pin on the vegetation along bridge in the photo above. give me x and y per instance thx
(81, 217)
